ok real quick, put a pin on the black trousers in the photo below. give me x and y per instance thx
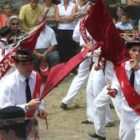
(67, 48)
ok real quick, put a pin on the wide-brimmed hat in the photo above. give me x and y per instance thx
(23, 55)
(131, 39)
(11, 115)
(13, 119)
(132, 43)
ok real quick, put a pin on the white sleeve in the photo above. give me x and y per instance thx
(41, 105)
(7, 96)
(115, 84)
(53, 39)
(76, 33)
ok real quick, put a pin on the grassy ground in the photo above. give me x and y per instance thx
(66, 125)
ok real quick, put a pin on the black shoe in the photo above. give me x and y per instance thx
(94, 135)
(87, 122)
(111, 106)
(63, 106)
(110, 124)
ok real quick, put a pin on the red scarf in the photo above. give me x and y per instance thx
(131, 96)
(36, 94)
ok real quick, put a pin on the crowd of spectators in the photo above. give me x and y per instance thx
(61, 19)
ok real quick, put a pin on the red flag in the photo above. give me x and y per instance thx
(31, 40)
(60, 71)
(101, 27)
(28, 42)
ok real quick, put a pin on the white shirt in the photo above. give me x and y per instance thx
(78, 37)
(127, 111)
(124, 27)
(46, 39)
(13, 90)
(76, 33)
(67, 12)
(109, 72)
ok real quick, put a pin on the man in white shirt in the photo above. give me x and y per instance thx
(129, 90)
(22, 87)
(45, 49)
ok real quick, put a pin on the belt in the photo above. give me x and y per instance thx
(41, 49)
(136, 107)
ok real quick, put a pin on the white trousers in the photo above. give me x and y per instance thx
(96, 82)
(78, 81)
(1, 56)
(137, 131)
(129, 125)
(101, 104)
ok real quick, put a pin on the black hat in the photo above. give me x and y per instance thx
(11, 115)
(13, 118)
(130, 44)
(23, 55)
(4, 31)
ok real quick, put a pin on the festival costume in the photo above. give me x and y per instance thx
(130, 120)
(78, 81)
(83, 70)
(102, 101)
(12, 95)
(96, 82)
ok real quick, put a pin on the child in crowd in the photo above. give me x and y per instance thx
(124, 24)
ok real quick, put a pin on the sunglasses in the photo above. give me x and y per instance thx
(15, 23)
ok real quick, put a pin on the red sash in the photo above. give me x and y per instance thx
(131, 96)
(36, 94)
(83, 31)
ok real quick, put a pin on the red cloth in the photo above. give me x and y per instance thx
(2, 20)
(28, 42)
(131, 96)
(31, 40)
(101, 27)
(60, 71)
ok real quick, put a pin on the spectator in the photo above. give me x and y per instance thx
(118, 14)
(4, 35)
(132, 7)
(65, 17)
(125, 24)
(131, 2)
(45, 50)
(7, 13)
(83, 7)
(51, 20)
(29, 14)
(15, 24)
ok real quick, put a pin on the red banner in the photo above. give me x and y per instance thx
(28, 42)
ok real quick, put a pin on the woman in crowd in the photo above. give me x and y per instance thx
(6, 14)
(118, 14)
(14, 24)
(65, 16)
(50, 17)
